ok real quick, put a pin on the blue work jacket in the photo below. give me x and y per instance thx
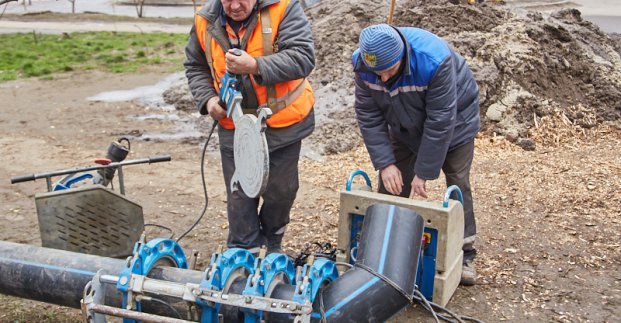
(432, 108)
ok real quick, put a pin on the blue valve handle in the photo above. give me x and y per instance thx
(449, 191)
(230, 84)
(60, 185)
(353, 175)
(228, 89)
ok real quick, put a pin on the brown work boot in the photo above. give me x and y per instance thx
(468, 274)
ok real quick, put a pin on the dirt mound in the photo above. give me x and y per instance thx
(336, 27)
(179, 95)
(527, 65)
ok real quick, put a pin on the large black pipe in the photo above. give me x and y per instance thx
(382, 281)
(58, 277)
(49, 275)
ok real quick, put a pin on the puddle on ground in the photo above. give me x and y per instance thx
(187, 124)
(147, 96)
(151, 98)
(155, 116)
(183, 131)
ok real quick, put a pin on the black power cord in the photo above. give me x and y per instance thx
(213, 127)
(172, 308)
(172, 234)
(321, 250)
(440, 312)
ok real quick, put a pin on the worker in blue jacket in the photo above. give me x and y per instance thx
(417, 105)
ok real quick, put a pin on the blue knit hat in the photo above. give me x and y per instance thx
(380, 46)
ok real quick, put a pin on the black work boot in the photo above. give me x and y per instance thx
(274, 244)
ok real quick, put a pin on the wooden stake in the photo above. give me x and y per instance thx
(392, 10)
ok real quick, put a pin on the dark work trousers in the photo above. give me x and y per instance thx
(250, 228)
(456, 169)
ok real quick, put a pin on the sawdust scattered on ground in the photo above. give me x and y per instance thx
(548, 208)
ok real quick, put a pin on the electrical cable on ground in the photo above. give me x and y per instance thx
(213, 127)
(172, 234)
(424, 303)
(322, 250)
(172, 308)
(340, 263)
(440, 312)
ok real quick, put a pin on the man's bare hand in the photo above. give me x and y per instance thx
(392, 180)
(418, 187)
(243, 64)
(214, 109)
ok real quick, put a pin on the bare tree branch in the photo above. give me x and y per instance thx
(3, 10)
(5, 1)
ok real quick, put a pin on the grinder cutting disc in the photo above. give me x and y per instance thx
(251, 154)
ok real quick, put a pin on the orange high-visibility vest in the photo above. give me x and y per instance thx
(291, 113)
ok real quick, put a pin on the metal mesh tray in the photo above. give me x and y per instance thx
(89, 219)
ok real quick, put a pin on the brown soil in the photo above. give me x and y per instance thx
(549, 216)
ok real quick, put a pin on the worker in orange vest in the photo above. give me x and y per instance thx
(277, 55)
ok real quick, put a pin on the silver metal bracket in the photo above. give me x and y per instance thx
(260, 303)
(94, 294)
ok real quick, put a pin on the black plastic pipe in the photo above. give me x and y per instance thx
(58, 276)
(49, 275)
(382, 280)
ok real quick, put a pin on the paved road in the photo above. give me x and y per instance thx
(103, 6)
(605, 13)
(60, 27)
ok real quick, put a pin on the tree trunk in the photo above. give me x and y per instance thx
(72, 6)
(139, 4)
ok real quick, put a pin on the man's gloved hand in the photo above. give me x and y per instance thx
(392, 180)
(242, 64)
(215, 110)
(418, 187)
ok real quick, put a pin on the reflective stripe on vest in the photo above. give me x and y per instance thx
(294, 99)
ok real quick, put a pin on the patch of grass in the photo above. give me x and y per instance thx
(22, 56)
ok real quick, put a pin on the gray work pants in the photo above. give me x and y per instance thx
(249, 227)
(456, 169)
